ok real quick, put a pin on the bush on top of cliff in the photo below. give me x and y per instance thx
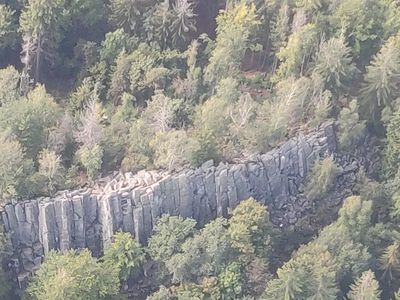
(321, 178)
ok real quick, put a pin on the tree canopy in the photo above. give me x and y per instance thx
(89, 88)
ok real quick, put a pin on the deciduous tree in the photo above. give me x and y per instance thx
(125, 253)
(73, 276)
(250, 230)
(15, 169)
(30, 119)
(169, 234)
(233, 38)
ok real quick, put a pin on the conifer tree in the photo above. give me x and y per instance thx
(366, 287)
(389, 262)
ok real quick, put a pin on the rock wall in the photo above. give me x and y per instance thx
(133, 202)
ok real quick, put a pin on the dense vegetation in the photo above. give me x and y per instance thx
(88, 87)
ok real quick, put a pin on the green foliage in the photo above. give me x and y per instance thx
(308, 275)
(381, 78)
(114, 43)
(268, 128)
(212, 117)
(321, 178)
(73, 276)
(116, 136)
(204, 254)
(250, 230)
(139, 153)
(389, 262)
(171, 24)
(280, 26)
(395, 206)
(161, 294)
(126, 13)
(290, 105)
(173, 149)
(298, 51)
(290, 285)
(8, 27)
(228, 90)
(41, 17)
(350, 126)
(9, 78)
(233, 31)
(335, 256)
(91, 158)
(50, 171)
(89, 131)
(125, 253)
(183, 21)
(365, 287)
(189, 292)
(157, 24)
(140, 84)
(169, 234)
(86, 12)
(322, 107)
(345, 238)
(159, 113)
(15, 169)
(334, 64)
(362, 21)
(135, 70)
(81, 96)
(207, 149)
(230, 281)
(43, 25)
(120, 81)
(392, 148)
(355, 214)
(30, 119)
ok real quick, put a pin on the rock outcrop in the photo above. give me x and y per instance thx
(132, 203)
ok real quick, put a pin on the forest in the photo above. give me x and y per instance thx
(93, 87)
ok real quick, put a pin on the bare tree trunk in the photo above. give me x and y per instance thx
(38, 58)
(267, 50)
(252, 59)
(263, 59)
(302, 65)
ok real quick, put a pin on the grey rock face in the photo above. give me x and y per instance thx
(133, 202)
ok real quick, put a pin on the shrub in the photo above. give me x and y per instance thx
(351, 128)
(321, 178)
(173, 149)
(91, 158)
(14, 169)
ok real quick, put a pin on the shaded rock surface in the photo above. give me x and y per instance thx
(133, 202)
